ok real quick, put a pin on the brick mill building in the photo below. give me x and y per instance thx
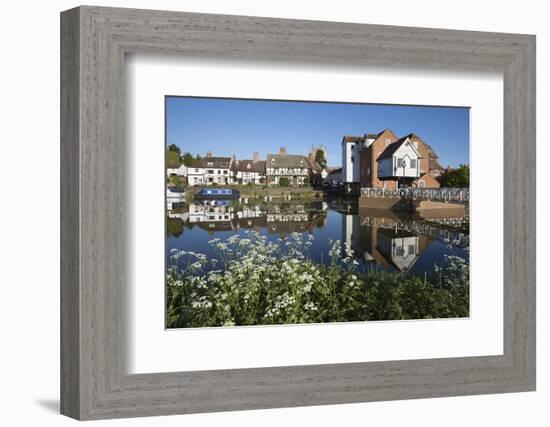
(384, 160)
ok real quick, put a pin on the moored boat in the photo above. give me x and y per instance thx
(217, 193)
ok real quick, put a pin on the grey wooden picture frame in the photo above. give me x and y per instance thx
(94, 381)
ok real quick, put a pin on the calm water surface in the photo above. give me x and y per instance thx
(380, 239)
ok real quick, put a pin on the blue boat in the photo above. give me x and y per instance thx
(217, 193)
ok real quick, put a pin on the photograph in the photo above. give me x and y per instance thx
(296, 212)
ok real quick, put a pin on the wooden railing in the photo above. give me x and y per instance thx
(438, 194)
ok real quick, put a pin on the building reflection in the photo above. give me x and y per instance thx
(380, 239)
(384, 239)
(280, 219)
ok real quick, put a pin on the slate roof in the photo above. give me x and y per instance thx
(249, 166)
(286, 161)
(431, 152)
(334, 170)
(217, 162)
(352, 138)
(434, 164)
(313, 165)
(392, 148)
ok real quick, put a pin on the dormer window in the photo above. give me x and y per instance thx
(248, 166)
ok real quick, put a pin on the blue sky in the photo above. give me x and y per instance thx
(240, 127)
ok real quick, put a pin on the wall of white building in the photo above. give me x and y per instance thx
(390, 166)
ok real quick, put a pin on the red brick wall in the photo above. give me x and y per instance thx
(429, 181)
(377, 147)
(424, 154)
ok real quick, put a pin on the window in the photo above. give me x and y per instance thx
(196, 170)
(413, 163)
(401, 163)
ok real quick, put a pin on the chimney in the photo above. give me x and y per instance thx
(234, 157)
(256, 157)
(282, 151)
(209, 154)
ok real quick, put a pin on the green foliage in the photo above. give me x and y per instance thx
(320, 158)
(258, 282)
(174, 227)
(458, 178)
(174, 148)
(176, 180)
(173, 158)
(284, 182)
(187, 159)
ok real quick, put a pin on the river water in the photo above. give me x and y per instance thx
(380, 239)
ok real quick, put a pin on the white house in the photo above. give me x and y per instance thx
(210, 170)
(294, 168)
(249, 171)
(195, 175)
(181, 171)
(399, 160)
(352, 147)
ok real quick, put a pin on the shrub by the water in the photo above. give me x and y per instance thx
(257, 282)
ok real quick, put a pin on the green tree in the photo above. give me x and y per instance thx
(284, 182)
(320, 158)
(172, 158)
(458, 178)
(174, 147)
(187, 159)
(176, 180)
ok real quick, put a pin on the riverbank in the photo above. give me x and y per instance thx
(261, 192)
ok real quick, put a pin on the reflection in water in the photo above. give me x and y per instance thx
(379, 239)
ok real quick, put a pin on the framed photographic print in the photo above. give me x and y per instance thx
(261, 213)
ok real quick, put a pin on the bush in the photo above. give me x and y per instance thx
(284, 182)
(257, 282)
(457, 178)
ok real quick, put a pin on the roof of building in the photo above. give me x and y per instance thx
(334, 170)
(431, 151)
(313, 165)
(394, 146)
(248, 166)
(373, 135)
(286, 161)
(213, 162)
(434, 164)
(352, 138)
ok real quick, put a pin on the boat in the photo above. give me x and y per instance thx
(217, 193)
